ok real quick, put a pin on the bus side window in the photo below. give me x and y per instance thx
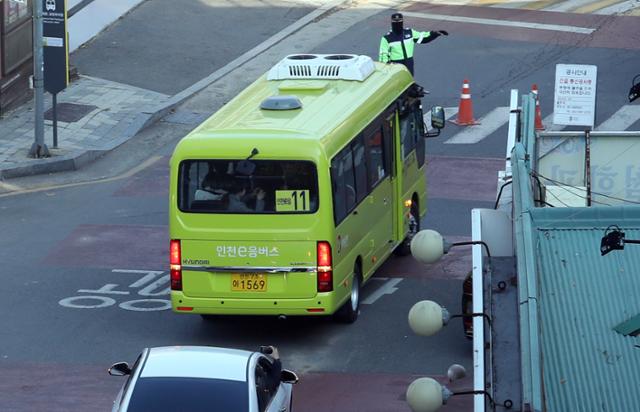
(407, 133)
(343, 182)
(388, 130)
(420, 143)
(375, 156)
(360, 167)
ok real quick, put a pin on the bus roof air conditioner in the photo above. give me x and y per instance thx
(323, 66)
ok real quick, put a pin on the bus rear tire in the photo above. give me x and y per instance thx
(404, 248)
(348, 313)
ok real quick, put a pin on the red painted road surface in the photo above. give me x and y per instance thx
(85, 388)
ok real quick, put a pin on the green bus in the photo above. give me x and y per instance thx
(287, 200)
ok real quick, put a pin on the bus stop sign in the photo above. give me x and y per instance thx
(55, 47)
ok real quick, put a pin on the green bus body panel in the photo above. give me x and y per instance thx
(333, 112)
(201, 284)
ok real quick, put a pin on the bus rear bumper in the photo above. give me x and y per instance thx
(321, 304)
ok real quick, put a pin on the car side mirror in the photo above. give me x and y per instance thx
(120, 369)
(437, 121)
(287, 376)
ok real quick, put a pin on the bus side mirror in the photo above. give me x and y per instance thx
(437, 121)
(437, 117)
(634, 92)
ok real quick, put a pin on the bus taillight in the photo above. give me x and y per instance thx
(325, 270)
(175, 264)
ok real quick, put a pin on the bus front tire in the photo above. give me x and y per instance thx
(348, 313)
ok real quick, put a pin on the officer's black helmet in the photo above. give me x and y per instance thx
(396, 23)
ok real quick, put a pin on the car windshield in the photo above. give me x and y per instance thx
(248, 186)
(189, 394)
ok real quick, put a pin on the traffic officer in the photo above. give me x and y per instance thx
(397, 45)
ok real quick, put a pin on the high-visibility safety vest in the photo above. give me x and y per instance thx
(398, 48)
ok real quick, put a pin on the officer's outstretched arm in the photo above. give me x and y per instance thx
(427, 36)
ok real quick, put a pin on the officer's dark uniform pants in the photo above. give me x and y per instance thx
(407, 62)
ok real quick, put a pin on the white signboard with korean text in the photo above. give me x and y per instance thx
(575, 95)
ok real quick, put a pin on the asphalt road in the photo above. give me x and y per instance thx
(109, 240)
(167, 45)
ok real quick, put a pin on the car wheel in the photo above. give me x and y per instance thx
(348, 313)
(404, 249)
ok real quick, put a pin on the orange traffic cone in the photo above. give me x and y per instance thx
(465, 108)
(538, 122)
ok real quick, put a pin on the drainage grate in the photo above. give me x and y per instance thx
(70, 112)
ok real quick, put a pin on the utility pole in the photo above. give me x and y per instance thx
(39, 148)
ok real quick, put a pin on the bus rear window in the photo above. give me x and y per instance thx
(247, 186)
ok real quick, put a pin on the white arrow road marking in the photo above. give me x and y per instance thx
(622, 119)
(386, 289)
(488, 124)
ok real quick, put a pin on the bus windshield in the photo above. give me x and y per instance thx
(248, 186)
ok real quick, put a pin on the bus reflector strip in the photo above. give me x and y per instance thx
(185, 308)
(315, 310)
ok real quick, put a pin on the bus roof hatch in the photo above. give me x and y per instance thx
(323, 66)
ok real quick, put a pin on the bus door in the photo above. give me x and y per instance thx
(413, 145)
(380, 198)
(350, 219)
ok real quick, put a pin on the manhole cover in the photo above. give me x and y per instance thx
(70, 112)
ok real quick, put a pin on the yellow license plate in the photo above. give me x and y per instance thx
(248, 282)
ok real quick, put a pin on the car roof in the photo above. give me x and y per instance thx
(197, 362)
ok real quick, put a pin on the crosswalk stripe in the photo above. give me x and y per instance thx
(598, 5)
(488, 124)
(619, 8)
(603, 7)
(9, 186)
(540, 4)
(634, 12)
(496, 22)
(622, 119)
(565, 6)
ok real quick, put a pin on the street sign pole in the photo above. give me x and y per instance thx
(39, 148)
(55, 54)
(55, 120)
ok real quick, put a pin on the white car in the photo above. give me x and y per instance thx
(200, 378)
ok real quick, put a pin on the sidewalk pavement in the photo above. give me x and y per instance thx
(109, 114)
(100, 115)
(94, 117)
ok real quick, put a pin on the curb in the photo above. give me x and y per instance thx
(75, 159)
(177, 99)
(79, 158)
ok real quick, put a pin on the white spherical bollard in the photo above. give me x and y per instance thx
(427, 246)
(424, 395)
(426, 318)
